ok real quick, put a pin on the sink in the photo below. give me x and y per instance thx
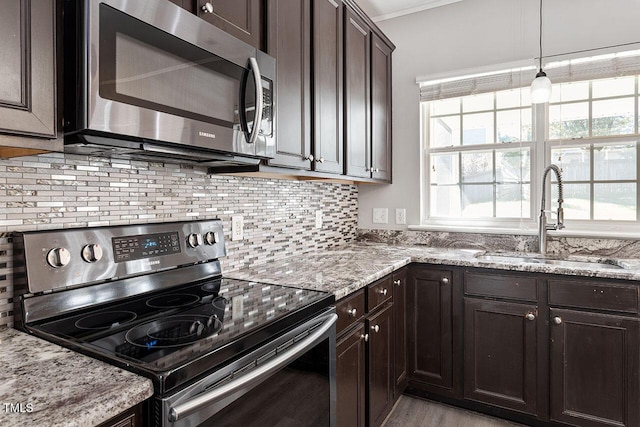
(549, 261)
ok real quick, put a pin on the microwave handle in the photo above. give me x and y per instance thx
(257, 120)
(254, 377)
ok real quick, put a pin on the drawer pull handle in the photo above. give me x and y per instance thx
(445, 280)
(352, 312)
(557, 320)
(384, 292)
(375, 328)
(397, 282)
(530, 316)
(365, 337)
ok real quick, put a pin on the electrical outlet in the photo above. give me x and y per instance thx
(380, 215)
(401, 216)
(237, 228)
(318, 219)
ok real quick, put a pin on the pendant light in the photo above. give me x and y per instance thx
(541, 85)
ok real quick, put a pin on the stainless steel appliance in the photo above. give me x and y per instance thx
(151, 299)
(148, 80)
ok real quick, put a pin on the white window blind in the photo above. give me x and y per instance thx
(592, 68)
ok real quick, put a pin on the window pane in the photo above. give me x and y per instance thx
(565, 92)
(613, 117)
(477, 167)
(574, 162)
(513, 201)
(614, 162)
(445, 106)
(569, 121)
(514, 125)
(576, 200)
(614, 201)
(477, 129)
(613, 87)
(513, 98)
(477, 201)
(445, 168)
(477, 102)
(513, 165)
(445, 131)
(445, 201)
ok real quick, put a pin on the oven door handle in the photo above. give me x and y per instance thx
(253, 377)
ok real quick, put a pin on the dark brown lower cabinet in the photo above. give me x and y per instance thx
(430, 328)
(594, 369)
(351, 378)
(500, 354)
(400, 363)
(381, 372)
(130, 418)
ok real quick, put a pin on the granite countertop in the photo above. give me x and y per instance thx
(351, 267)
(54, 386)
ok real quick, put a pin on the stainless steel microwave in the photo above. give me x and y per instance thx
(148, 80)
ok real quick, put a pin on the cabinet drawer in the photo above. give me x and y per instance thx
(379, 292)
(349, 310)
(505, 286)
(598, 295)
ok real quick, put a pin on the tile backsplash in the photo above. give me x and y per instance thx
(66, 191)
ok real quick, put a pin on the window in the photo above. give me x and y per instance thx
(485, 152)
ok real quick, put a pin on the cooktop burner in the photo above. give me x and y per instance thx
(173, 300)
(173, 331)
(105, 320)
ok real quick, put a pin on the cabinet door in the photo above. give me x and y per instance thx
(290, 43)
(240, 18)
(327, 86)
(356, 95)
(430, 328)
(381, 380)
(500, 354)
(185, 4)
(594, 369)
(400, 333)
(350, 378)
(380, 109)
(27, 67)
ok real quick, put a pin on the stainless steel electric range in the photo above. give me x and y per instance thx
(152, 299)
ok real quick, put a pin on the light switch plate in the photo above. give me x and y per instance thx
(237, 227)
(401, 216)
(380, 215)
(318, 219)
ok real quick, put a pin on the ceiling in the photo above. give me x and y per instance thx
(379, 10)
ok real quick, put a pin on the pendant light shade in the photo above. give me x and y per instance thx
(541, 85)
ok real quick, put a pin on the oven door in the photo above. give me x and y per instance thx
(157, 72)
(288, 382)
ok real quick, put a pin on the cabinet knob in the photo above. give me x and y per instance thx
(397, 282)
(384, 292)
(376, 170)
(375, 328)
(530, 316)
(365, 337)
(557, 320)
(445, 280)
(320, 160)
(352, 312)
(208, 7)
(309, 157)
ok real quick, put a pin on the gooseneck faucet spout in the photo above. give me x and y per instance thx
(543, 225)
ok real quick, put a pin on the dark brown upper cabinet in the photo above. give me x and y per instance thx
(185, 4)
(327, 86)
(357, 99)
(289, 41)
(380, 109)
(241, 18)
(28, 70)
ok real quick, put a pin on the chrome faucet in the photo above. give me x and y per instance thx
(543, 226)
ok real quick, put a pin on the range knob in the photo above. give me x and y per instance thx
(211, 238)
(194, 240)
(92, 252)
(58, 257)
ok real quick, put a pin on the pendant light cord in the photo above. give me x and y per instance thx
(540, 35)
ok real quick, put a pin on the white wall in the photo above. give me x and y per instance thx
(472, 34)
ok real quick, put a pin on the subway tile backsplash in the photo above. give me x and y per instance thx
(67, 191)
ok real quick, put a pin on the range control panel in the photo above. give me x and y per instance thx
(73, 257)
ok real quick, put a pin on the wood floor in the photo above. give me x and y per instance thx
(411, 412)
